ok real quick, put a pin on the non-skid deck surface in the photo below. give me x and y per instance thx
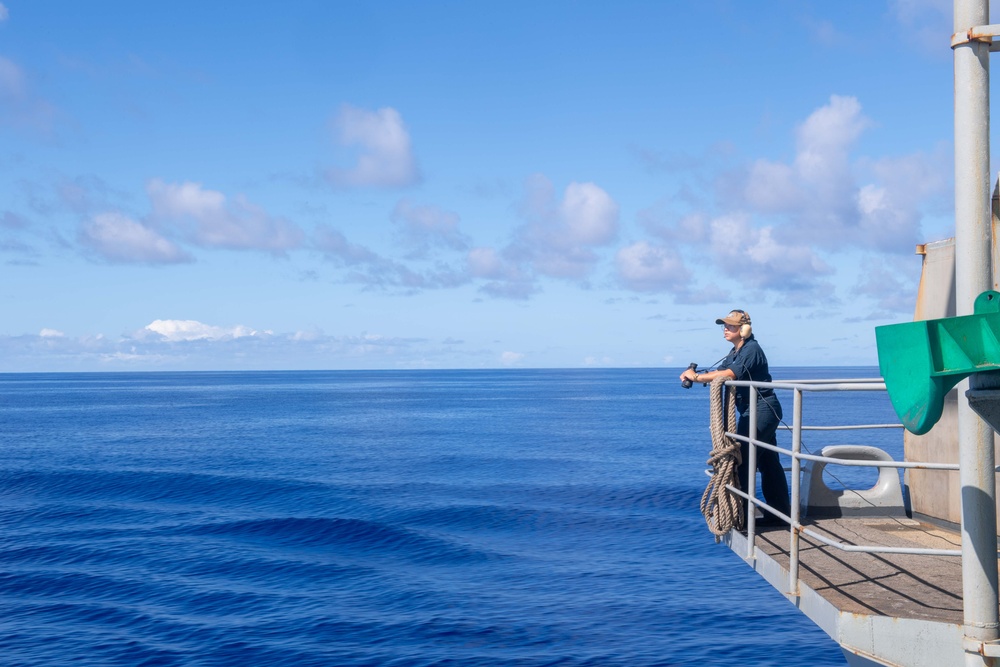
(905, 586)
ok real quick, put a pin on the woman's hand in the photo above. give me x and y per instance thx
(689, 374)
(706, 378)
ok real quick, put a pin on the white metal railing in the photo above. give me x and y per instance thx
(796, 529)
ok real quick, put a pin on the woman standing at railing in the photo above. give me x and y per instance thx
(747, 362)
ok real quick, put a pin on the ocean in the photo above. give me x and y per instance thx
(494, 518)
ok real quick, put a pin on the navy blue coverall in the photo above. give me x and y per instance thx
(749, 363)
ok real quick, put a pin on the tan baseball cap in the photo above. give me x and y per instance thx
(735, 317)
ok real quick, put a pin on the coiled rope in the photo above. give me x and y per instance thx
(722, 509)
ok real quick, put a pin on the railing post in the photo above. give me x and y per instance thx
(793, 547)
(751, 489)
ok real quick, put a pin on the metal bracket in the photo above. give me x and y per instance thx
(990, 649)
(979, 33)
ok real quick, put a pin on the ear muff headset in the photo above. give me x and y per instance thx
(745, 325)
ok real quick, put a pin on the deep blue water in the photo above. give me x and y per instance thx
(501, 518)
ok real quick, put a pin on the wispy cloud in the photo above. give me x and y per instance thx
(20, 107)
(503, 279)
(924, 21)
(12, 83)
(424, 227)
(883, 282)
(11, 220)
(335, 246)
(374, 271)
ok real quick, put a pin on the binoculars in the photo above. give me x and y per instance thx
(685, 382)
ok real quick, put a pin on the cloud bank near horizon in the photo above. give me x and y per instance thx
(190, 345)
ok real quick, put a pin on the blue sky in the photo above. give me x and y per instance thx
(340, 185)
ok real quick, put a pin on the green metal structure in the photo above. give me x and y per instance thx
(922, 361)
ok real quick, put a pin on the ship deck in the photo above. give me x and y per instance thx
(894, 585)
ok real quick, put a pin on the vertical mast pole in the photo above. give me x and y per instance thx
(973, 275)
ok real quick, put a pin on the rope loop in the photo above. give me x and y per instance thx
(722, 509)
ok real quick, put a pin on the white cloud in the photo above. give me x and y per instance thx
(824, 139)
(3, 13)
(206, 218)
(385, 157)
(885, 221)
(585, 216)
(755, 257)
(589, 215)
(817, 187)
(649, 268)
(51, 333)
(558, 239)
(189, 330)
(820, 198)
(118, 238)
(186, 199)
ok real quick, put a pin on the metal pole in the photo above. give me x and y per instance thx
(793, 547)
(973, 275)
(752, 477)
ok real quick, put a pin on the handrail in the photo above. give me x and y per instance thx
(796, 529)
(850, 427)
(919, 465)
(813, 385)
